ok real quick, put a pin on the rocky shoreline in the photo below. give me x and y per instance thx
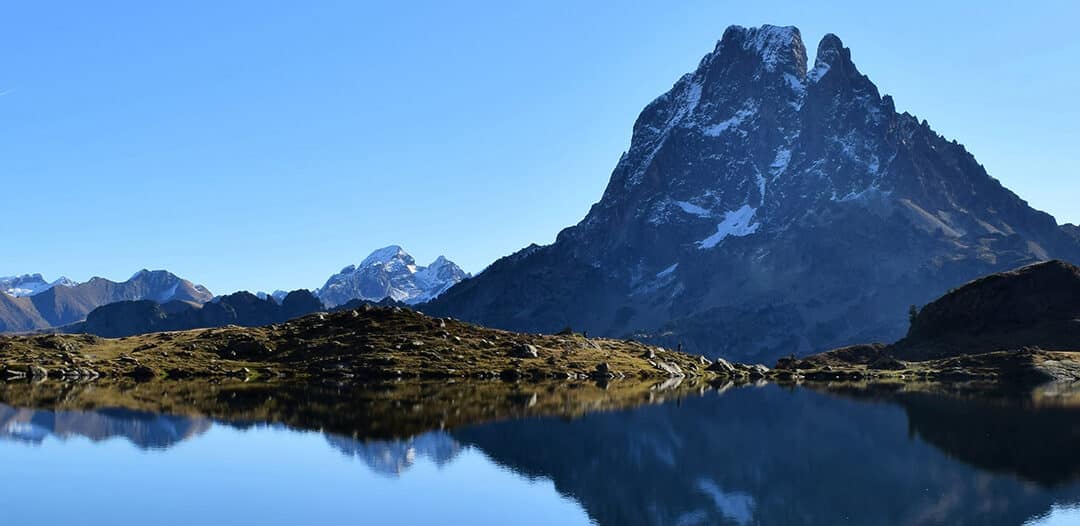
(1024, 367)
(1020, 327)
(363, 344)
(385, 343)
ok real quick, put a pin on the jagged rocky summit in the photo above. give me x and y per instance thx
(391, 272)
(768, 207)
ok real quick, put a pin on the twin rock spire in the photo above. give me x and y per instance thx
(781, 49)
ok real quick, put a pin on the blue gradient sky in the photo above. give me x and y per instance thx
(262, 145)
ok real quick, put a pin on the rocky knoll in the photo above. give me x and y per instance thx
(1022, 324)
(1037, 305)
(354, 345)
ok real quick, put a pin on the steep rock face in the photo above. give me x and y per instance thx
(765, 208)
(1072, 231)
(1037, 305)
(61, 304)
(19, 314)
(391, 273)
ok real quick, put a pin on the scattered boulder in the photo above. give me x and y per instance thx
(721, 366)
(672, 369)
(142, 372)
(524, 350)
(58, 343)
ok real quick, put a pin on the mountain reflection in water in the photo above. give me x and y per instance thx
(753, 455)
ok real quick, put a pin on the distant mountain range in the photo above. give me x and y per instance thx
(64, 302)
(766, 208)
(159, 300)
(30, 284)
(127, 318)
(391, 273)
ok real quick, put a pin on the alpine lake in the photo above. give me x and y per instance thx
(569, 452)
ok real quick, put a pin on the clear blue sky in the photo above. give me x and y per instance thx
(262, 145)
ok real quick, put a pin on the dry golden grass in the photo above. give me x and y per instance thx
(368, 343)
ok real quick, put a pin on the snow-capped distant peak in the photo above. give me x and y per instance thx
(391, 272)
(386, 255)
(63, 281)
(30, 284)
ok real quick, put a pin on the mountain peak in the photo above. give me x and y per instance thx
(774, 45)
(64, 281)
(830, 46)
(139, 273)
(752, 194)
(832, 55)
(31, 284)
(385, 255)
(441, 261)
(390, 272)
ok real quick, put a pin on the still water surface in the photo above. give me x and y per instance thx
(752, 455)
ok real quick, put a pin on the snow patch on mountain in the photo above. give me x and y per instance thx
(692, 209)
(780, 162)
(667, 272)
(795, 83)
(820, 69)
(738, 223)
(733, 122)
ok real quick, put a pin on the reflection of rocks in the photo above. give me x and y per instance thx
(770, 456)
(392, 457)
(389, 410)
(144, 430)
(746, 456)
(1037, 443)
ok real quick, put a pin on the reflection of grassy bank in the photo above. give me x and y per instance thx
(995, 426)
(379, 410)
(873, 363)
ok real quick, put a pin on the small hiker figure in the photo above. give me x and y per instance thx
(680, 347)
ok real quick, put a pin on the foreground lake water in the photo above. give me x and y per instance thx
(749, 455)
